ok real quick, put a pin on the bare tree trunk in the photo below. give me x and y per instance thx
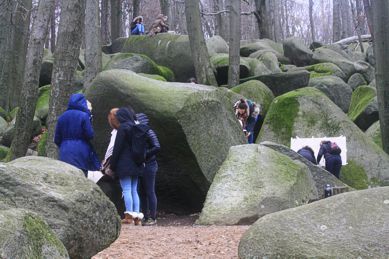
(202, 64)
(357, 28)
(311, 20)
(116, 14)
(135, 8)
(65, 64)
(29, 95)
(234, 43)
(166, 9)
(336, 21)
(93, 41)
(14, 29)
(287, 19)
(346, 27)
(361, 21)
(380, 10)
(264, 19)
(52, 31)
(105, 22)
(367, 5)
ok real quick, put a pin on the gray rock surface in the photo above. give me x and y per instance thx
(75, 208)
(349, 225)
(297, 52)
(356, 80)
(254, 181)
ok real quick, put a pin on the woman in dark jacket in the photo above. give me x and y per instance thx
(149, 198)
(308, 153)
(73, 134)
(124, 166)
(332, 157)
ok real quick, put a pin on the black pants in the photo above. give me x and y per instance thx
(148, 196)
(334, 164)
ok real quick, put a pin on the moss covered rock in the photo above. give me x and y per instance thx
(356, 80)
(256, 91)
(364, 107)
(374, 133)
(220, 63)
(309, 113)
(254, 181)
(270, 60)
(195, 125)
(75, 208)
(155, 77)
(170, 50)
(42, 105)
(5, 115)
(3, 125)
(3, 152)
(348, 225)
(26, 235)
(42, 145)
(262, 44)
(280, 83)
(325, 69)
(297, 52)
(335, 88)
(9, 133)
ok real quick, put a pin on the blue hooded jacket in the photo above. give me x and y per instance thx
(73, 134)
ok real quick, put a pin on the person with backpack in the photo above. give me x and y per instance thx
(331, 152)
(137, 27)
(247, 112)
(148, 196)
(308, 153)
(128, 161)
(73, 134)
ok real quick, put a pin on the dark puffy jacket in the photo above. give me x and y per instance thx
(122, 162)
(153, 145)
(307, 154)
(73, 134)
(327, 151)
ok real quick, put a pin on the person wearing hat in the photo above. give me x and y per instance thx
(137, 27)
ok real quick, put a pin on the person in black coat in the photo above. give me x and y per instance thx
(148, 196)
(308, 153)
(125, 167)
(332, 157)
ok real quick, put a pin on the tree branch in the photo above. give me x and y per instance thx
(226, 11)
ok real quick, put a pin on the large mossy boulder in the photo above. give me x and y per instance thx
(325, 69)
(170, 50)
(256, 91)
(307, 113)
(194, 123)
(46, 68)
(249, 48)
(220, 63)
(364, 107)
(335, 88)
(280, 83)
(349, 225)
(25, 235)
(356, 80)
(320, 176)
(325, 54)
(374, 133)
(75, 208)
(299, 54)
(254, 181)
(270, 60)
(137, 63)
(42, 105)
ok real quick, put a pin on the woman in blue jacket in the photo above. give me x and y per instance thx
(149, 198)
(137, 27)
(124, 166)
(73, 134)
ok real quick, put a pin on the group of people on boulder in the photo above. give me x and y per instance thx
(159, 25)
(331, 152)
(130, 156)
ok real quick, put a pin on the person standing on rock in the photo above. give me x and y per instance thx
(125, 165)
(331, 152)
(247, 113)
(148, 196)
(308, 153)
(73, 134)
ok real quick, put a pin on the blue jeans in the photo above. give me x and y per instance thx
(149, 198)
(130, 193)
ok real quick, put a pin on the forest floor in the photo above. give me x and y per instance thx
(175, 237)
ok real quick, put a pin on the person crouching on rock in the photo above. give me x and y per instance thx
(73, 134)
(125, 167)
(308, 153)
(148, 196)
(137, 27)
(247, 112)
(331, 152)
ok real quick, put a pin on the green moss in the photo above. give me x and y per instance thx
(315, 74)
(354, 175)
(42, 145)
(5, 115)
(360, 99)
(155, 77)
(42, 105)
(40, 234)
(321, 68)
(167, 73)
(3, 152)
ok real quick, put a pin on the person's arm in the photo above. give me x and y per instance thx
(87, 128)
(154, 144)
(117, 148)
(58, 135)
(320, 154)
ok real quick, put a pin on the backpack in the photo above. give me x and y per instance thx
(335, 149)
(254, 108)
(139, 143)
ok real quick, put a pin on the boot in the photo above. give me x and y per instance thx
(128, 218)
(138, 219)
